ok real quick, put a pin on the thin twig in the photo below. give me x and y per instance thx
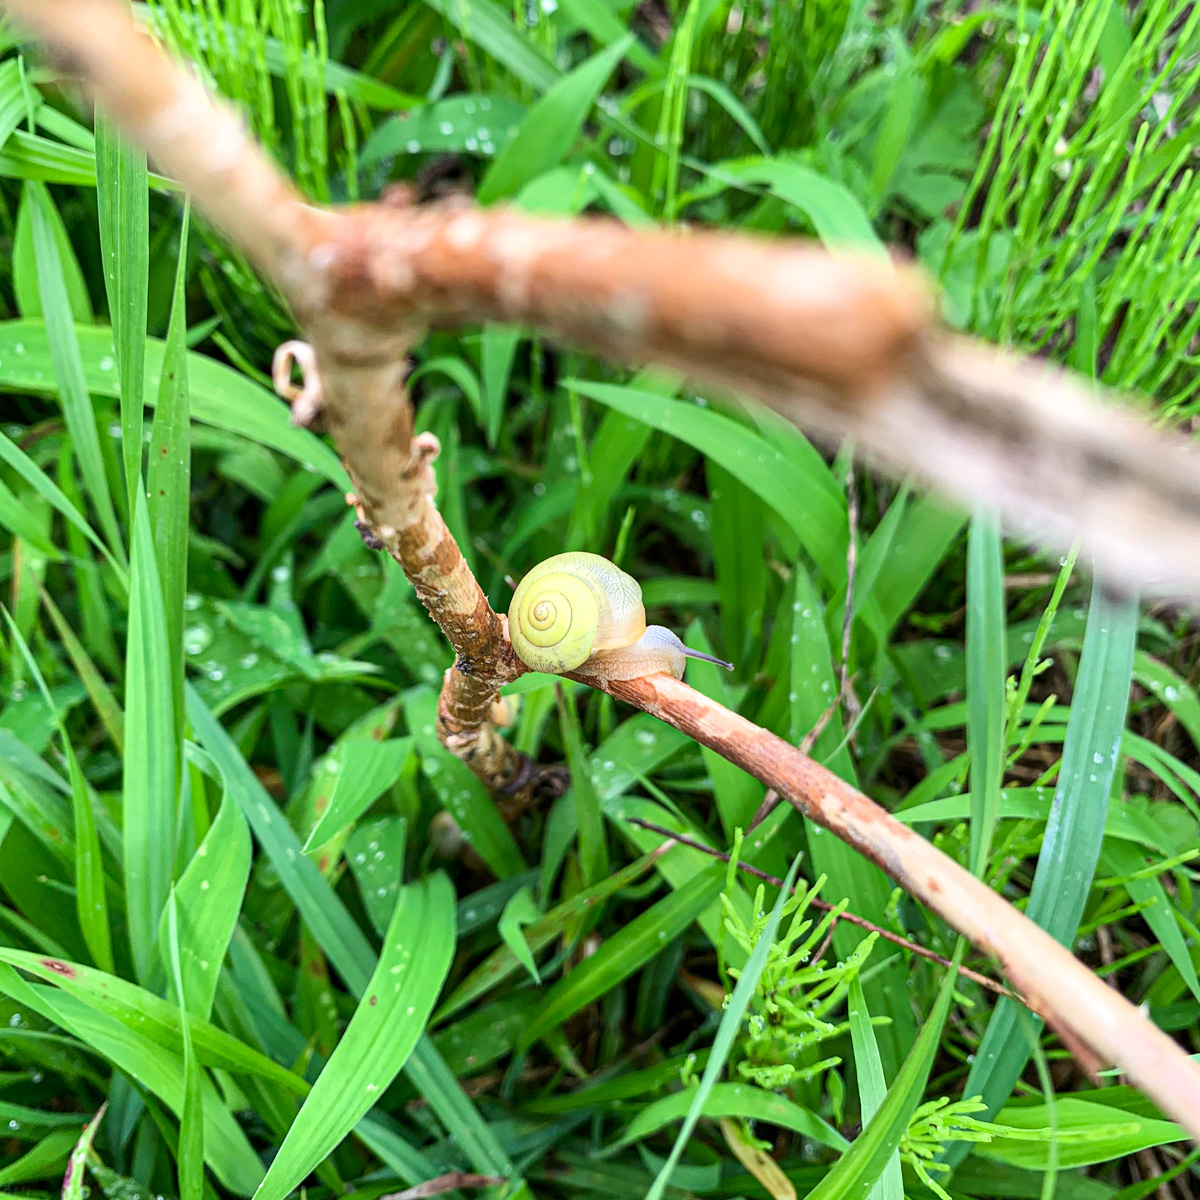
(844, 915)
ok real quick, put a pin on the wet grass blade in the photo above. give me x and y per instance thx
(72, 1186)
(190, 1155)
(150, 785)
(382, 1033)
(123, 199)
(1075, 830)
(589, 817)
(551, 126)
(64, 354)
(100, 694)
(338, 935)
(208, 899)
(91, 903)
(857, 1171)
(872, 1086)
(169, 473)
(628, 949)
(228, 1151)
(986, 670)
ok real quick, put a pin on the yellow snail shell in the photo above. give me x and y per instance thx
(579, 612)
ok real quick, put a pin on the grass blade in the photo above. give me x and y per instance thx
(123, 198)
(338, 935)
(551, 126)
(801, 498)
(986, 670)
(382, 1033)
(623, 953)
(190, 1155)
(1075, 830)
(872, 1086)
(72, 1187)
(589, 818)
(91, 903)
(227, 1150)
(64, 354)
(367, 769)
(150, 784)
(857, 1171)
(100, 694)
(169, 473)
(208, 899)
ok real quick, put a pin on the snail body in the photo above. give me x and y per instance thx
(580, 612)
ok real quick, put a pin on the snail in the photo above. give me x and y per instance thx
(579, 612)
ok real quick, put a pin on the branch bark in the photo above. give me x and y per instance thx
(845, 346)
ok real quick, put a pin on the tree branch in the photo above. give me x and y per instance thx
(843, 345)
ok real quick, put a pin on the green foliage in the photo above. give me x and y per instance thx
(227, 828)
(787, 1013)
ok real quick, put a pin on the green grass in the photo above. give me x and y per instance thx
(222, 798)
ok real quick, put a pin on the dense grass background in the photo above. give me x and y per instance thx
(220, 794)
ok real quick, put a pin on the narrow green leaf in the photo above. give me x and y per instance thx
(43, 1161)
(123, 198)
(1075, 830)
(382, 1033)
(228, 1153)
(341, 939)
(190, 1155)
(520, 910)
(461, 793)
(24, 524)
(150, 1016)
(624, 952)
(91, 903)
(736, 1100)
(62, 350)
(502, 962)
(803, 500)
(497, 350)
(150, 783)
(872, 1086)
(208, 900)
(15, 457)
(551, 126)
(100, 694)
(986, 699)
(837, 216)
(856, 1172)
(366, 770)
(24, 261)
(1085, 1133)
(219, 395)
(169, 472)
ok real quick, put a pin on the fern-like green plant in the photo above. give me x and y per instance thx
(792, 1011)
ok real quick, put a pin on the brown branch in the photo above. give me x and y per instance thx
(843, 915)
(846, 346)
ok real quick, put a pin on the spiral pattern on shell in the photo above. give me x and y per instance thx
(571, 607)
(553, 621)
